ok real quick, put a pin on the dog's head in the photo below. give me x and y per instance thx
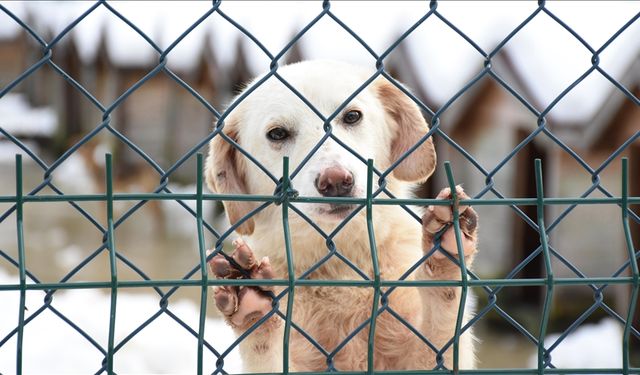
(380, 123)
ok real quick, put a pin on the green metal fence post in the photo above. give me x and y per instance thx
(547, 262)
(204, 273)
(455, 202)
(21, 262)
(376, 270)
(111, 246)
(633, 265)
(291, 276)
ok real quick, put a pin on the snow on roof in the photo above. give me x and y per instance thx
(124, 45)
(550, 59)
(162, 22)
(20, 119)
(444, 61)
(545, 55)
(8, 27)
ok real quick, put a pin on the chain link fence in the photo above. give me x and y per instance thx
(284, 195)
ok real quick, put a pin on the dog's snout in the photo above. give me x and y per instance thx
(334, 182)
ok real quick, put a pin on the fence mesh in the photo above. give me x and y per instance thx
(285, 195)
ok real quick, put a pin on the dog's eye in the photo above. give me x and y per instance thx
(351, 117)
(278, 134)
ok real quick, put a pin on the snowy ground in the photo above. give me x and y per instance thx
(590, 346)
(52, 347)
(56, 242)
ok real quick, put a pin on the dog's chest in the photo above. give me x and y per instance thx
(338, 319)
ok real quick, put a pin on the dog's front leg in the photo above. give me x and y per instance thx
(243, 307)
(441, 303)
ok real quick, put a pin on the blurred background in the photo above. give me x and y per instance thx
(592, 126)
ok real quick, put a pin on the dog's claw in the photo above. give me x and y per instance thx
(242, 306)
(243, 254)
(263, 271)
(437, 217)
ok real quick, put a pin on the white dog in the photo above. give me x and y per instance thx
(380, 123)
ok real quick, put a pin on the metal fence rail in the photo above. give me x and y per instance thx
(285, 196)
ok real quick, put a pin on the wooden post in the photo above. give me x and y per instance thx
(525, 238)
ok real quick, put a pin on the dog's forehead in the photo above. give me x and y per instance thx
(324, 75)
(325, 84)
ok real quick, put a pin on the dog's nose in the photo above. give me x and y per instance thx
(334, 182)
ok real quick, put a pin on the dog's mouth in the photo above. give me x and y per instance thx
(338, 211)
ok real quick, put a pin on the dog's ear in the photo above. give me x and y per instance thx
(225, 172)
(408, 124)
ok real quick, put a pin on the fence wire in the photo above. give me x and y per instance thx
(285, 195)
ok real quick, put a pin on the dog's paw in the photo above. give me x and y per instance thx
(437, 217)
(242, 306)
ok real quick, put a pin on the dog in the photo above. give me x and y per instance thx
(380, 123)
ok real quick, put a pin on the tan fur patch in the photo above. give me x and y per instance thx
(410, 127)
(225, 174)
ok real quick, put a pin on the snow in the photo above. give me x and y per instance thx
(549, 58)
(52, 347)
(8, 27)
(179, 221)
(589, 346)
(8, 151)
(74, 177)
(546, 56)
(20, 119)
(163, 23)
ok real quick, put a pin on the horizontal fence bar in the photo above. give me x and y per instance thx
(336, 200)
(320, 283)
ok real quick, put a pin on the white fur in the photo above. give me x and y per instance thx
(329, 313)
